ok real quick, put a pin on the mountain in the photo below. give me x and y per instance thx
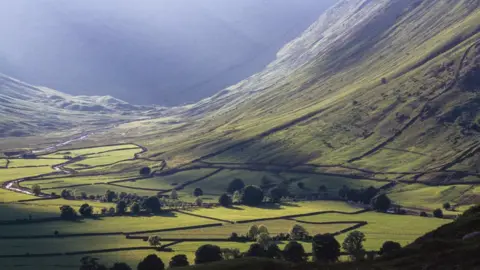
(148, 52)
(387, 86)
(29, 109)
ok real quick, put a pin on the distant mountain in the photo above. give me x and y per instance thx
(165, 52)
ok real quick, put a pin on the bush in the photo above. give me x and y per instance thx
(68, 213)
(325, 248)
(151, 262)
(197, 192)
(86, 210)
(389, 247)
(154, 241)
(145, 171)
(294, 252)
(438, 213)
(179, 260)
(225, 200)
(384, 81)
(381, 203)
(231, 253)
(36, 189)
(208, 253)
(353, 244)
(235, 185)
(423, 214)
(446, 206)
(252, 196)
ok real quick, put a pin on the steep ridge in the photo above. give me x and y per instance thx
(383, 85)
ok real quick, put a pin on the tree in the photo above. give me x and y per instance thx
(252, 232)
(423, 214)
(174, 194)
(262, 229)
(151, 262)
(446, 206)
(65, 194)
(86, 210)
(325, 248)
(152, 204)
(231, 253)
(389, 247)
(276, 194)
(298, 232)
(236, 185)
(154, 241)
(135, 208)
(84, 195)
(273, 252)
(225, 200)
(121, 207)
(294, 252)
(36, 189)
(343, 192)
(256, 250)
(265, 182)
(369, 194)
(198, 201)
(179, 260)
(353, 244)
(145, 171)
(67, 213)
(252, 196)
(301, 185)
(384, 80)
(264, 240)
(208, 253)
(237, 197)
(381, 203)
(104, 211)
(89, 263)
(110, 196)
(438, 213)
(197, 192)
(120, 266)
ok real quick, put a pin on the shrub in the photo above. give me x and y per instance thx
(235, 185)
(67, 212)
(150, 262)
(438, 213)
(145, 171)
(154, 241)
(294, 252)
(86, 210)
(197, 192)
(208, 253)
(446, 206)
(325, 248)
(36, 189)
(225, 200)
(353, 244)
(252, 196)
(423, 214)
(179, 260)
(231, 253)
(381, 203)
(384, 81)
(389, 247)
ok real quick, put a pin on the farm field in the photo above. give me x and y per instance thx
(383, 227)
(59, 181)
(17, 173)
(89, 151)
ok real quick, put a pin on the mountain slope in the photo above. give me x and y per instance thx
(28, 110)
(381, 85)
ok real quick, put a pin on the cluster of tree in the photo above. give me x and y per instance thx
(379, 202)
(238, 193)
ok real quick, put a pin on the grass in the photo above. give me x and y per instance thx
(108, 224)
(246, 212)
(105, 158)
(384, 227)
(89, 151)
(78, 180)
(17, 173)
(7, 196)
(19, 162)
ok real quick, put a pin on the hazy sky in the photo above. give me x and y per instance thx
(147, 51)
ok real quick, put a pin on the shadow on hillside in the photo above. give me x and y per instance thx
(233, 207)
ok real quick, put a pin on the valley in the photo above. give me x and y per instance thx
(376, 101)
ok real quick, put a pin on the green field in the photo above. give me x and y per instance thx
(20, 162)
(78, 180)
(105, 158)
(17, 173)
(89, 151)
